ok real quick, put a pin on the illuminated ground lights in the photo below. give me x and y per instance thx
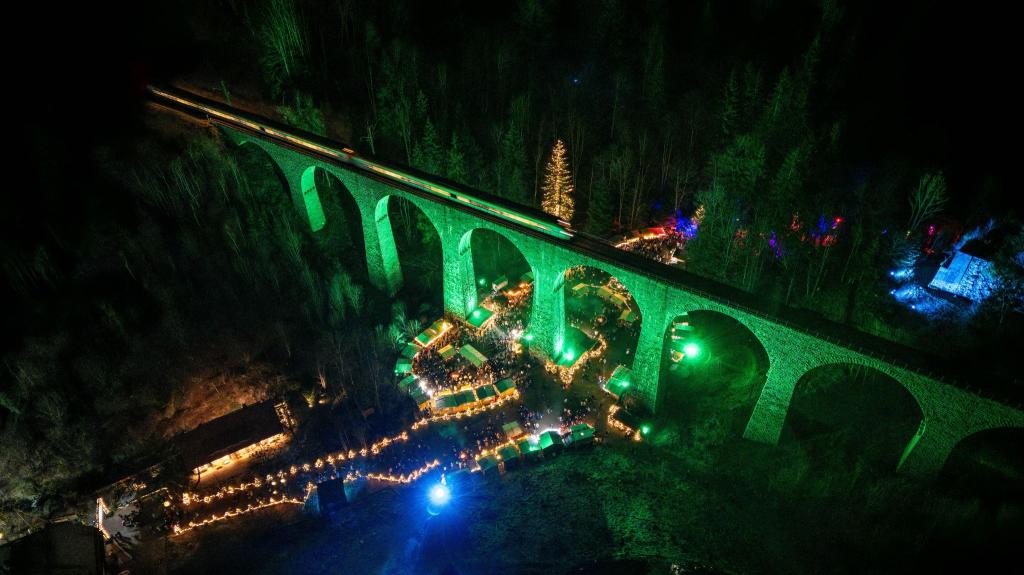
(467, 413)
(236, 512)
(613, 423)
(284, 499)
(272, 478)
(565, 374)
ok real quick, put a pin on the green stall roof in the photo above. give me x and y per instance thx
(486, 391)
(464, 397)
(473, 355)
(619, 382)
(487, 463)
(403, 365)
(508, 453)
(581, 432)
(446, 402)
(410, 351)
(420, 396)
(447, 352)
(550, 439)
(527, 448)
(505, 385)
(479, 316)
(407, 382)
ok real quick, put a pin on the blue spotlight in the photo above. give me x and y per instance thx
(439, 495)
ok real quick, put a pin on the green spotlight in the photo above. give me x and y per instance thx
(528, 337)
(645, 429)
(569, 355)
(691, 350)
(483, 281)
(476, 313)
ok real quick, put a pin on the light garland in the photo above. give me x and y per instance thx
(565, 374)
(467, 413)
(271, 478)
(647, 236)
(405, 478)
(270, 502)
(616, 424)
(237, 511)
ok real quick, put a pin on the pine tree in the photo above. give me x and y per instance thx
(455, 161)
(557, 187)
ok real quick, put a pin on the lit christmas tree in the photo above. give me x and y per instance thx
(557, 188)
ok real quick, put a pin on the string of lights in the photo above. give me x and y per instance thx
(332, 459)
(235, 512)
(616, 424)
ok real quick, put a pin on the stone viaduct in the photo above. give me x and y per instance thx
(948, 414)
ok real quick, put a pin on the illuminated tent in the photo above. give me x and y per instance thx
(526, 277)
(509, 457)
(410, 351)
(580, 289)
(447, 352)
(550, 441)
(488, 464)
(445, 402)
(407, 383)
(628, 419)
(512, 430)
(681, 328)
(627, 316)
(421, 397)
(619, 383)
(475, 357)
(528, 449)
(403, 365)
(505, 386)
(581, 434)
(465, 398)
(478, 318)
(499, 283)
(485, 392)
(429, 335)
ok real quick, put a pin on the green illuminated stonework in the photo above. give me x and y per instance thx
(949, 414)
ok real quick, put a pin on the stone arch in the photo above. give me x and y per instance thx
(468, 265)
(343, 237)
(713, 365)
(310, 199)
(391, 246)
(878, 423)
(261, 151)
(988, 462)
(597, 304)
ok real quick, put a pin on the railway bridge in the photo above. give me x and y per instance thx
(948, 413)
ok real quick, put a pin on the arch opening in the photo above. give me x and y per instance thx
(713, 370)
(419, 257)
(988, 464)
(262, 172)
(341, 238)
(602, 322)
(852, 420)
(502, 277)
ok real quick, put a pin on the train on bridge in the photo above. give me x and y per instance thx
(216, 112)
